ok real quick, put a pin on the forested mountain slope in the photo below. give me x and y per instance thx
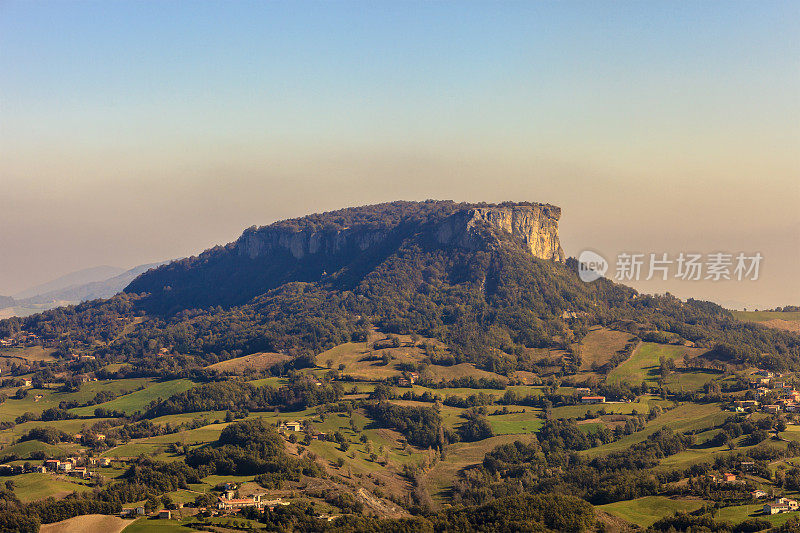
(488, 280)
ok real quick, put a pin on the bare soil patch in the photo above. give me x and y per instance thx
(90, 523)
(257, 361)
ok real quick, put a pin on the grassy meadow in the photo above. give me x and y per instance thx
(644, 512)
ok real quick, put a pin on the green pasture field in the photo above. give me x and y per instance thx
(740, 513)
(183, 418)
(138, 400)
(643, 364)
(792, 432)
(149, 525)
(26, 448)
(272, 382)
(516, 423)
(683, 418)
(31, 487)
(442, 373)
(30, 353)
(70, 427)
(38, 400)
(644, 512)
(689, 380)
(115, 386)
(590, 427)
(641, 406)
(764, 316)
(351, 354)
(440, 477)
(158, 444)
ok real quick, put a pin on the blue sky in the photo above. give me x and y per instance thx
(177, 124)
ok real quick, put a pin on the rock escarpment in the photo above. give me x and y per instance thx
(301, 243)
(535, 226)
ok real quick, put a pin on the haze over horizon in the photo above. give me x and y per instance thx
(134, 132)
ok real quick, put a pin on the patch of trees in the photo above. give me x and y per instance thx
(526, 512)
(422, 426)
(466, 382)
(251, 447)
(545, 466)
(475, 427)
(691, 522)
(473, 400)
(47, 435)
(49, 414)
(301, 392)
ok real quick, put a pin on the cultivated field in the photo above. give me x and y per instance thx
(138, 400)
(643, 364)
(148, 525)
(30, 487)
(645, 511)
(789, 321)
(256, 361)
(600, 344)
(688, 416)
(91, 523)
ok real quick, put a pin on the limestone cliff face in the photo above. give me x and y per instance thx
(301, 243)
(534, 225)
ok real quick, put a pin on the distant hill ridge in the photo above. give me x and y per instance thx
(73, 279)
(76, 287)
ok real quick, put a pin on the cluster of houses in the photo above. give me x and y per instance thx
(767, 386)
(726, 478)
(291, 426)
(75, 466)
(781, 505)
(79, 436)
(230, 503)
(131, 512)
(76, 357)
(21, 338)
(72, 466)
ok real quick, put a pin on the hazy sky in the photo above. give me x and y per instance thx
(139, 131)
